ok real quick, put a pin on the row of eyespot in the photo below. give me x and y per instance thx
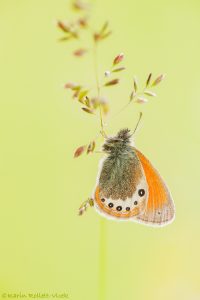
(141, 193)
(118, 207)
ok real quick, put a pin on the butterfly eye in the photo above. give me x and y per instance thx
(141, 192)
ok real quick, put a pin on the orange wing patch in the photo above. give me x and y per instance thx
(160, 207)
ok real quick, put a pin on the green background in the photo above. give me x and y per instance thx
(44, 245)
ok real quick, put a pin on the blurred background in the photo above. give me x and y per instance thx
(45, 246)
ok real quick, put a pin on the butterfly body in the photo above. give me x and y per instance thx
(128, 186)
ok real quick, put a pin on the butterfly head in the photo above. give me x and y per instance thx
(119, 143)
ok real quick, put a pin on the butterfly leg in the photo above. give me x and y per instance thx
(85, 205)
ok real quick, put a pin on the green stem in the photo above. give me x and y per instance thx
(102, 229)
(98, 87)
(102, 260)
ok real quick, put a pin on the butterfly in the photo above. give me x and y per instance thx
(128, 186)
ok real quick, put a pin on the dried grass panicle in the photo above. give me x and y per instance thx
(139, 96)
(89, 100)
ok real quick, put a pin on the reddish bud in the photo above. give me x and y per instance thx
(112, 82)
(79, 52)
(83, 22)
(96, 37)
(69, 85)
(118, 59)
(63, 27)
(79, 151)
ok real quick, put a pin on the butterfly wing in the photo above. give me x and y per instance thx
(118, 192)
(160, 208)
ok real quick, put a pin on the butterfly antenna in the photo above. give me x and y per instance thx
(138, 122)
